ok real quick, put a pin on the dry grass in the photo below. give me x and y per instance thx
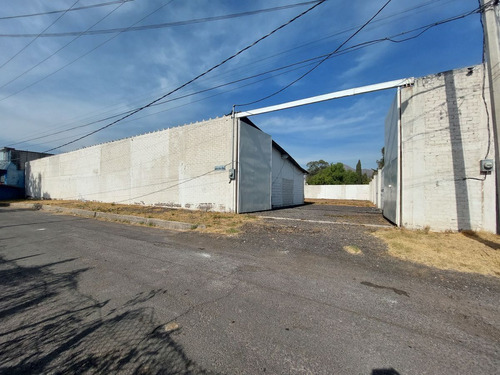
(215, 222)
(340, 202)
(353, 249)
(474, 252)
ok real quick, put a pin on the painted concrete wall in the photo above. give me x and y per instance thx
(173, 167)
(376, 189)
(287, 182)
(355, 192)
(445, 133)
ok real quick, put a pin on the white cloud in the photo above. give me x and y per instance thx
(134, 68)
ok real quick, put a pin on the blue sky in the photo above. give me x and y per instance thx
(131, 69)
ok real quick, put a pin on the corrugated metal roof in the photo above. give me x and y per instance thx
(4, 165)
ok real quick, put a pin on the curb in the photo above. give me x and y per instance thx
(159, 223)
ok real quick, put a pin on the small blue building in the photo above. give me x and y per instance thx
(12, 163)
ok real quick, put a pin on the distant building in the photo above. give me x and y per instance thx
(224, 164)
(12, 164)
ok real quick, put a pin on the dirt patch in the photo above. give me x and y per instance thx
(214, 222)
(340, 202)
(473, 252)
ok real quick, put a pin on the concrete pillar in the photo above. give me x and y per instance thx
(491, 24)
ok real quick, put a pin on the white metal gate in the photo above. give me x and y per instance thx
(254, 175)
(391, 168)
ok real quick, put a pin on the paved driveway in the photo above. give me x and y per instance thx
(83, 296)
(329, 213)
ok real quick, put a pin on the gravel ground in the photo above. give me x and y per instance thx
(334, 214)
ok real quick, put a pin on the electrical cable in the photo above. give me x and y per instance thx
(309, 61)
(82, 56)
(172, 186)
(321, 62)
(164, 102)
(195, 78)
(483, 57)
(340, 32)
(170, 100)
(64, 11)
(483, 63)
(63, 47)
(166, 24)
(412, 9)
(389, 39)
(378, 21)
(36, 36)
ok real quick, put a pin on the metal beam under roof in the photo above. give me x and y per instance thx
(330, 96)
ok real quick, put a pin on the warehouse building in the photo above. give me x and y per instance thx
(225, 164)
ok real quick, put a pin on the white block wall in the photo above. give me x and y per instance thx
(173, 167)
(376, 189)
(287, 182)
(354, 192)
(445, 133)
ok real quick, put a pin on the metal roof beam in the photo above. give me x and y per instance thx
(330, 96)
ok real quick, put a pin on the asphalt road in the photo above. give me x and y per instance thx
(83, 296)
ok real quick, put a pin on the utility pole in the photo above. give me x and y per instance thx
(491, 24)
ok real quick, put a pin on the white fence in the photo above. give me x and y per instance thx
(376, 193)
(371, 192)
(357, 192)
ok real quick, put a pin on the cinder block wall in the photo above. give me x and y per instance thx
(173, 167)
(445, 132)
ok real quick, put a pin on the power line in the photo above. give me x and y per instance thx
(319, 63)
(82, 56)
(195, 78)
(308, 61)
(36, 36)
(340, 32)
(175, 99)
(66, 10)
(167, 24)
(294, 66)
(392, 39)
(412, 9)
(60, 49)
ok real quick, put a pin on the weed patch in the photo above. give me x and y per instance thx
(215, 222)
(474, 252)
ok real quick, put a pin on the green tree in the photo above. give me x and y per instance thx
(359, 172)
(334, 174)
(381, 162)
(313, 167)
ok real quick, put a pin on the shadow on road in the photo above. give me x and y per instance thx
(42, 222)
(48, 326)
